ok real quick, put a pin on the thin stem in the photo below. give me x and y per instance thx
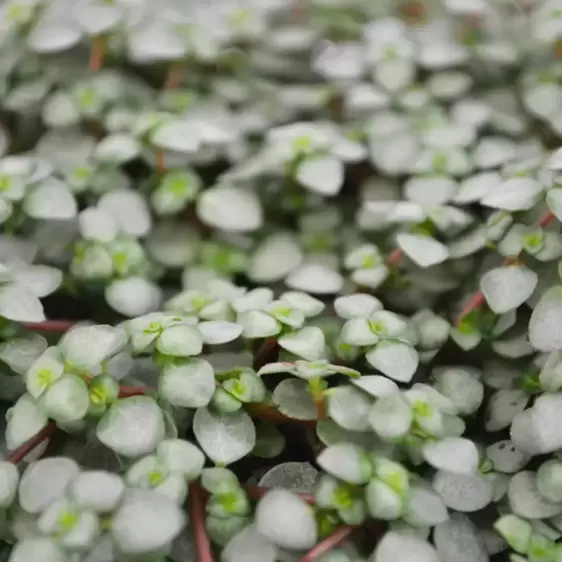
(174, 76)
(267, 353)
(17, 455)
(329, 543)
(197, 517)
(395, 257)
(128, 391)
(257, 492)
(270, 413)
(52, 326)
(320, 404)
(160, 163)
(97, 54)
(299, 12)
(478, 299)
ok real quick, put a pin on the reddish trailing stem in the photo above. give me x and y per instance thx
(160, 163)
(52, 326)
(267, 353)
(329, 543)
(16, 456)
(477, 300)
(174, 76)
(257, 492)
(197, 517)
(97, 54)
(128, 391)
(394, 258)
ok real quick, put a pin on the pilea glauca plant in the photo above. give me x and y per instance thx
(280, 280)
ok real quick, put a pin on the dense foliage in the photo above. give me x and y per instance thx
(280, 280)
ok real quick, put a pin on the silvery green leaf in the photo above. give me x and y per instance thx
(401, 546)
(155, 40)
(307, 343)
(358, 305)
(503, 406)
(60, 110)
(97, 224)
(145, 522)
(375, 385)
(37, 548)
(44, 481)
(357, 331)
(508, 287)
(224, 438)
(177, 135)
(513, 348)
(189, 384)
(321, 174)
(554, 201)
(172, 244)
(258, 324)
(432, 191)
(346, 462)
(293, 399)
(20, 353)
(66, 400)
(382, 501)
(286, 520)
(349, 407)
(182, 457)
(391, 416)
(274, 258)
(97, 490)
(516, 531)
(514, 194)
(549, 480)
(20, 305)
(315, 278)
(525, 499)
(550, 376)
(452, 454)
(394, 74)
(40, 280)
(132, 426)
(536, 430)
(129, 209)
(467, 338)
(308, 305)
(117, 149)
(476, 187)
(505, 457)
(85, 347)
(462, 492)
(133, 296)
(24, 420)
(180, 340)
(458, 540)
(424, 508)
(50, 200)
(95, 16)
(295, 476)
(6, 209)
(395, 359)
(462, 387)
(545, 329)
(215, 333)
(53, 35)
(422, 250)
(9, 478)
(249, 545)
(231, 209)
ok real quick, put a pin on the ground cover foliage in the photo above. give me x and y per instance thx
(280, 281)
